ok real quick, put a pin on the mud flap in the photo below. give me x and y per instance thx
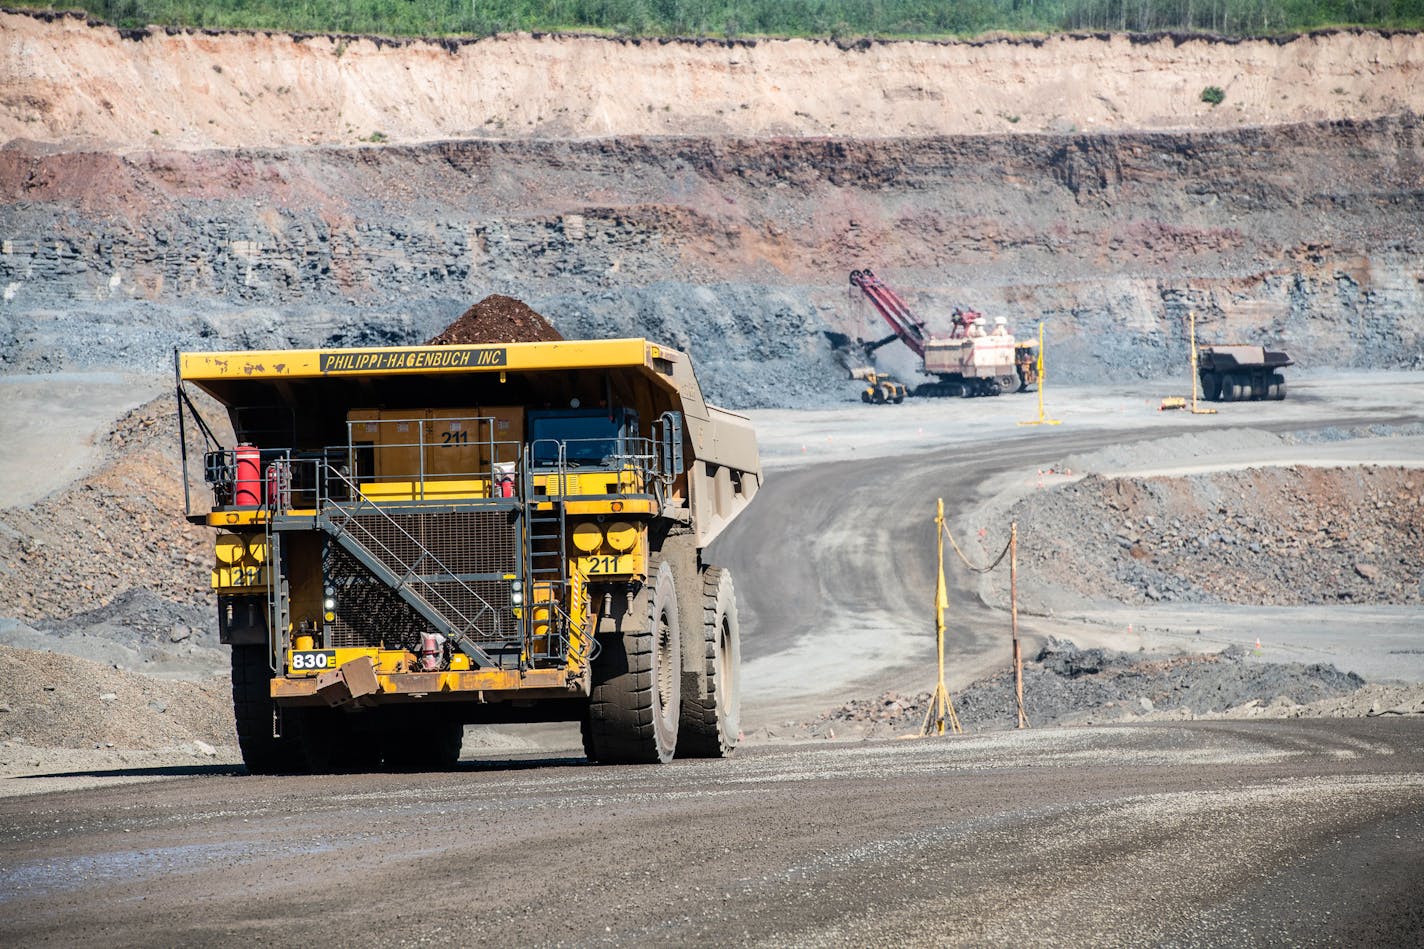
(348, 684)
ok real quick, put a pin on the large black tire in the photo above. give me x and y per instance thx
(712, 714)
(637, 682)
(253, 708)
(1211, 386)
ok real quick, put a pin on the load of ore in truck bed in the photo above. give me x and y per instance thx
(497, 319)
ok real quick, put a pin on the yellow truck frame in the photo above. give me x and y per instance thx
(413, 539)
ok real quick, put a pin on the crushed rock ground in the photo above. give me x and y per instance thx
(1275, 536)
(1065, 685)
(53, 701)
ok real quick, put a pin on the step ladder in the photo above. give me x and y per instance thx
(413, 580)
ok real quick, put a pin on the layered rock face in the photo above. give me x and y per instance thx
(1308, 236)
(733, 243)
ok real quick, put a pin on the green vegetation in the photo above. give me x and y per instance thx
(1213, 95)
(839, 19)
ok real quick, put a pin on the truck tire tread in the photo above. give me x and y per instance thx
(710, 726)
(252, 710)
(623, 720)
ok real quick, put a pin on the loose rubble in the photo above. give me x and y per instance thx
(1274, 536)
(118, 529)
(497, 319)
(1065, 685)
(56, 701)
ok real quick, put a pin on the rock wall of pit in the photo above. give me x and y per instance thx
(1309, 236)
(65, 80)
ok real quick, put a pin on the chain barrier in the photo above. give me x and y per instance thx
(997, 560)
(941, 709)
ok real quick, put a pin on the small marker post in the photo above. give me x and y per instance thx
(941, 709)
(1041, 420)
(1014, 627)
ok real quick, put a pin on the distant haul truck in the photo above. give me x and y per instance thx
(410, 540)
(1239, 373)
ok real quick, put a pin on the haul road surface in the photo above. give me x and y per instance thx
(1211, 833)
(1192, 833)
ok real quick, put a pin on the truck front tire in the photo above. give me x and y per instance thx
(637, 682)
(711, 716)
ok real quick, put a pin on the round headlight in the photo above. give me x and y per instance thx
(587, 537)
(622, 536)
(330, 604)
(230, 548)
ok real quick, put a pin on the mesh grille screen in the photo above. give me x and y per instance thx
(460, 543)
(467, 542)
(368, 613)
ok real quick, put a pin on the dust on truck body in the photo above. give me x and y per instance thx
(415, 539)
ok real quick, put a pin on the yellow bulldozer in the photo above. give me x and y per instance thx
(881, 389)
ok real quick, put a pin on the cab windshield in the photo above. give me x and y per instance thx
(589, 436)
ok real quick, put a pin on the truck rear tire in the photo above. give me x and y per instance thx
(253, 709)
(712, 716)
(637, 682)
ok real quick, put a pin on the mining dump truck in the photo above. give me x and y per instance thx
(1239, 373)
(414, 539)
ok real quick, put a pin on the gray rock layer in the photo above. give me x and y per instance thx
(1306, 236)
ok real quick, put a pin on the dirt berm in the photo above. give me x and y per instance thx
(1065, 685)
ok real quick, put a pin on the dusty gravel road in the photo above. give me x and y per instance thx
(1201, 833)
(835, 562)
(1302, 833)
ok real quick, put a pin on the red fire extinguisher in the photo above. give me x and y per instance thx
(504, 478)
(248, 484)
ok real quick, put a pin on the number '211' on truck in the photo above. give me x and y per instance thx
(410, 540)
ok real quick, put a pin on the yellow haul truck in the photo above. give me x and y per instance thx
(413, 539)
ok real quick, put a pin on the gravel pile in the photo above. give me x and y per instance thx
(1277, 536)
(54, 700)
(119, 529)
(1068, 685)
(138, 630)
(497, 319)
